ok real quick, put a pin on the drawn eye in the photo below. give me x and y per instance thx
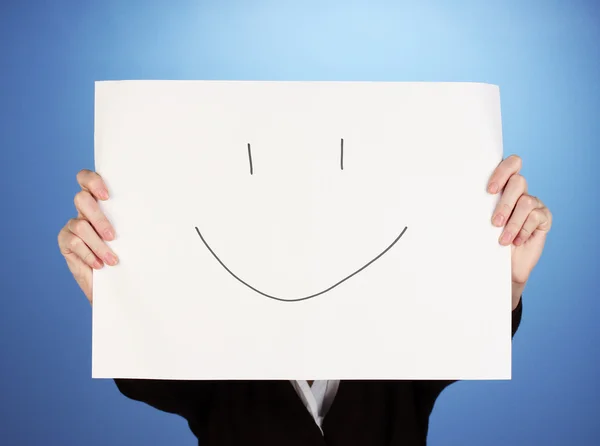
(341, 156)
(250, 159)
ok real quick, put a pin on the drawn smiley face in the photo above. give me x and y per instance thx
(302, 188)
(311, 295)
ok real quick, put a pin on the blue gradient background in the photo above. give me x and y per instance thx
(545, 55)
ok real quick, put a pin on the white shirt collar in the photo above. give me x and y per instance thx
(317, 398)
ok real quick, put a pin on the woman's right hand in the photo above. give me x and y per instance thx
(82, 239)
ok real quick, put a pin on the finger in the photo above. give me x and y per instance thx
(84, 231)
(73, 246)
(540, 219)
(515, 188)
(503, 172)
(525, 205)
(88, 207)
(93, 183)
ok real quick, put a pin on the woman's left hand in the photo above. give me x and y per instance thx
(526, 221)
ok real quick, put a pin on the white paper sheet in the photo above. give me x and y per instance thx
(301, 230)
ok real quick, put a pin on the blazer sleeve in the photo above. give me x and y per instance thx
(189, 399)
(426, 392)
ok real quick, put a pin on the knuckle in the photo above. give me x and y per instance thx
(528, 201)
(519, 180)
(517, 183)
(82, 174)
(70, 223)
(537, 216)
(516, 161)
(62, 238)
(78, 226)
(74, 243)
(534, 201)
(80, 198)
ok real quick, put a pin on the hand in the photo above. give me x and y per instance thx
(82, 239)
(526, 221)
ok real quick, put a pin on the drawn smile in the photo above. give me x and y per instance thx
(305, 297)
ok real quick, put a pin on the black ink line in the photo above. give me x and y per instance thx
(312, 295)
(250, 158)
(342, 156)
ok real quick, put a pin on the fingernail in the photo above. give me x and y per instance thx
(103, 194)
(493, 188)
(498, 219)
(109, 234)
(97, 264)
(518, 241)
(110, 259)
(505, 238)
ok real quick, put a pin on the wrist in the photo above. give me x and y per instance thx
(517, 292)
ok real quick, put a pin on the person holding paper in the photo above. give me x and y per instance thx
(305, 412)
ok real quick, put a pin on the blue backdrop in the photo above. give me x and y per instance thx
(545, 55)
